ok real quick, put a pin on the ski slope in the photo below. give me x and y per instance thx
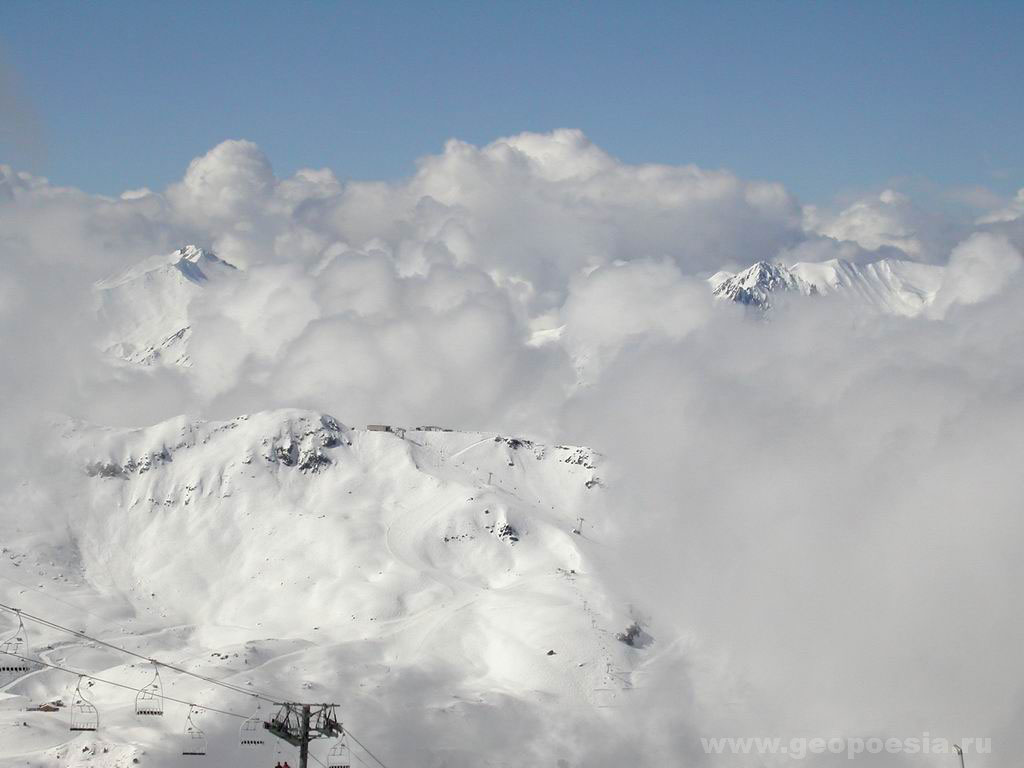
(421, 576)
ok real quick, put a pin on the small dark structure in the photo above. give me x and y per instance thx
(400, 431)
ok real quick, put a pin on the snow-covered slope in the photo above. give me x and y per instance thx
(144, 311)
(893, 286)
(285, 551)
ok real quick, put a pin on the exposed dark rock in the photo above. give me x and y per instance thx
(634, 636)
(508, 532)
(104, 469)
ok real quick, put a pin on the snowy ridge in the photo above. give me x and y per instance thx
(145, 309)
(757, 284)
(289, 552)
(892, 286)
(896, 286)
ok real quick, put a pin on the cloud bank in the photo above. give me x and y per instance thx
(825, 503)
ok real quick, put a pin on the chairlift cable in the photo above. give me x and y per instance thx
(362, 746)
(212, 681)
(123, 685)
(76, 633)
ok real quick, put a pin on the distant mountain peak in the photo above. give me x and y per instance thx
(145, 309)
(756, 285)
(190, 260)
(891, 286)
(192, 253)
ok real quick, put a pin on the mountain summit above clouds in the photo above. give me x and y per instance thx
(891, 286)
(147, 315)
(144, 310)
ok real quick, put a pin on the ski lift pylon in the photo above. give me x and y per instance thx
(250, 733)
(195, 739)
(84, 716)
(340, 755)
(150, 699)
(14, 652)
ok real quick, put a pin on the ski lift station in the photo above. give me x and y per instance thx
(400, 431)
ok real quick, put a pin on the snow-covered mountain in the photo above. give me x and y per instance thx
(427, 579)
(892, 286)
(144, 311)
(383, 568)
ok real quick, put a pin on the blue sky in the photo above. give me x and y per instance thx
(826, 97)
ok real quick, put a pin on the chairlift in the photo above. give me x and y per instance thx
(340, 755)
(250, 733)
(150, 699)
(84, 716)
(14, 660)
(195, 739)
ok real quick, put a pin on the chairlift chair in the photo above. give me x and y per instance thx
(150, 699)
(195, 739)
(84, 716)
(250, 733)
(14, 660)
(340, 755)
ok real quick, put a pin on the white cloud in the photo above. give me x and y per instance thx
(541, 207)
(978, 269)
(636, 302)
(812, 497)
(1011, 212)
(889, 219)
(228, 182)
(829, 501)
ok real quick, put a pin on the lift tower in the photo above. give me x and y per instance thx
(298, 724)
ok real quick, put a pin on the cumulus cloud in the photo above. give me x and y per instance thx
(1011, 212)
(354, 336)
(483, 241)
(639, 302)
(823, 503)
(830, 502)
(978, 269)
(539, 208)
(228, 182)
(888, 220)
